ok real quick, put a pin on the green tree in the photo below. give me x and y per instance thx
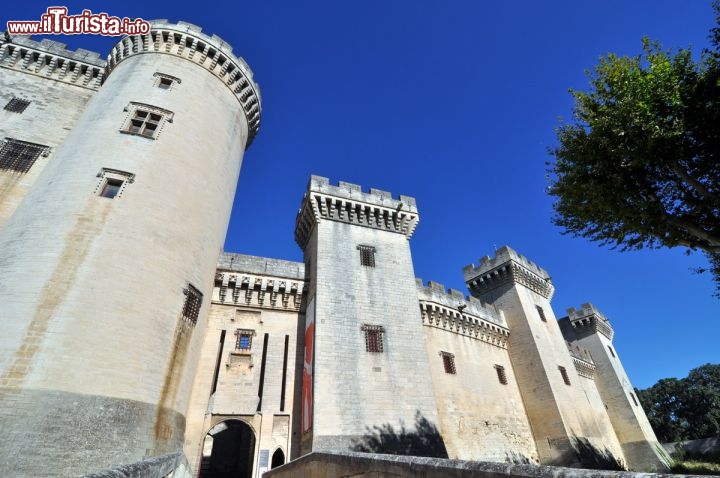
(640, 164)
(685, 409)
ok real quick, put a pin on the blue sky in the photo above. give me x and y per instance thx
(454, 103)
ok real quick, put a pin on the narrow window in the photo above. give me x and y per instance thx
(17, 105)
(284, 374)
(448, 362)
(564, 374)
(218, 359)
(165, 83)
(373, 338)
(111, 188)
(612, 352)
(541, 313)
(632, 395)
(367, 256)
(243, 340)
(502, 378)
(19, 155)
(193, 301)
(263, 362)
(113, 182)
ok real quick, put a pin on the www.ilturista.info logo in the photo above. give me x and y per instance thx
(57, 22)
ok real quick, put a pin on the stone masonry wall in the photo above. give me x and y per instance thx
(481, 411)
(55, 104)
(237, 384)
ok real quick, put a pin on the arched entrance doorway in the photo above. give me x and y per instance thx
(278, 459)
(228, 451)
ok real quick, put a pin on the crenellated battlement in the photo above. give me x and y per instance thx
(259, 282)
(507, 266)
(211, 52)
(347, 203)
(451, 310)
(51, 59)
(588, 319)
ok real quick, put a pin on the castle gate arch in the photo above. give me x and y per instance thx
(228, 451)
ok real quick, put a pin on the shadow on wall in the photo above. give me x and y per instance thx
(592, 457)
(424, 440)
(518, 458)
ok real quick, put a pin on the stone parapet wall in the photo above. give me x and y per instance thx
(52, 60)
(329, 464)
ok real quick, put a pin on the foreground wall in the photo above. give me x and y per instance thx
(335, 464)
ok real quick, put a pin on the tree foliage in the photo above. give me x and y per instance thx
(640, 164)
(685, 409)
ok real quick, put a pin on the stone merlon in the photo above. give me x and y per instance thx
(347, 203)
(585, 310)
(58, 49)
(508, 267)
(354, 191)
(502, 256)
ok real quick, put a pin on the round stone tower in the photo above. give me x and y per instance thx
(107, 266)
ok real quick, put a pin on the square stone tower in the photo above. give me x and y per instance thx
(590, 329)
(566, 430)
(366, 366)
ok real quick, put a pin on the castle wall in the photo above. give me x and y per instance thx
(253, 297)
(41, 73)
(481, 411)
(96, 307)
(359, 393)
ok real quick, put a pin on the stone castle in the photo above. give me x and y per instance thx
(127, 333)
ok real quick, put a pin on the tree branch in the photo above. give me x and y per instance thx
(694, 183)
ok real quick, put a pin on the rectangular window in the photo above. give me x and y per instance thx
(373, 338)
(193, 301)
(165, 83)
(564, 374)
(146, 120)
(144, 123)
(367, 256)
(112, 182)
(243, 339)
(17, 105)
(111, 188)
(541, 313)
(502, 378)
(612, 352)
(19, 155)
(448, 362)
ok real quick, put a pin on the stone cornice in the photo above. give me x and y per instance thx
(582, 360)
(348, 204)
(212, 53)
(590, 320)
(254, 290)
(52, 60)
(452, 320)
(511, 272)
